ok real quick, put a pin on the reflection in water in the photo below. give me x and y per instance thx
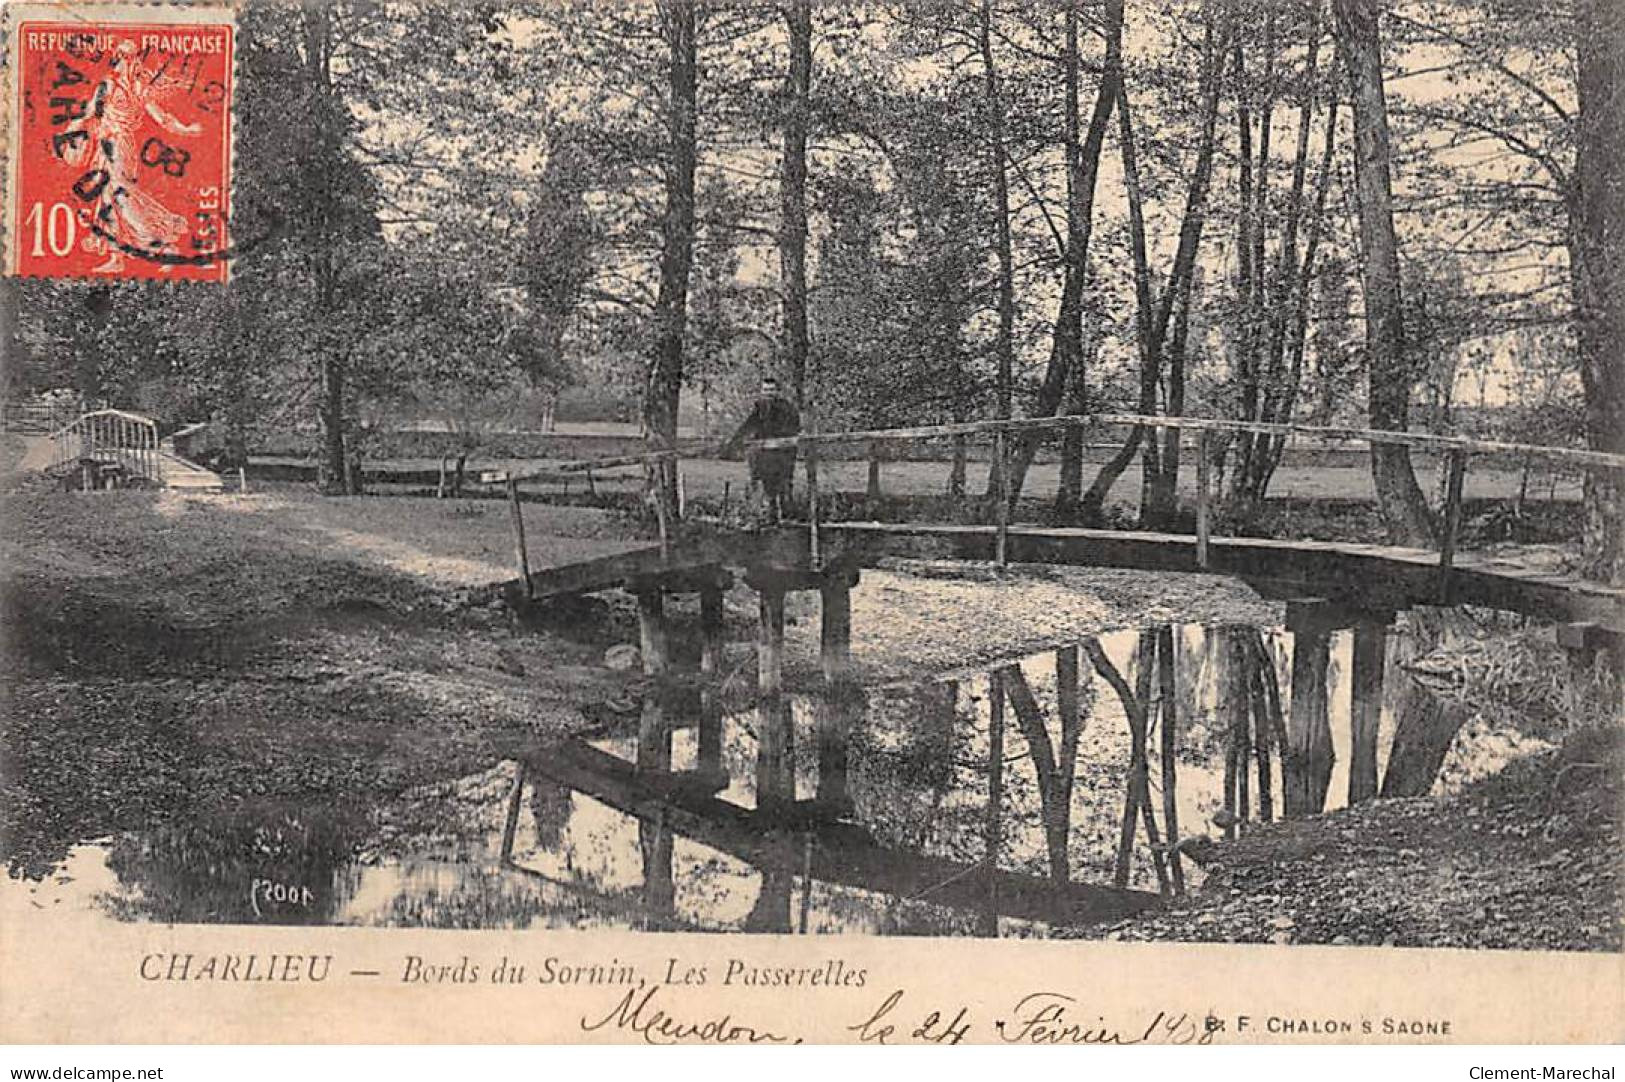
(1071, 786)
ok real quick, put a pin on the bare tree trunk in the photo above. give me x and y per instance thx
(1055, 768)
(1137, 799)
(1004, 343)
(1144, 319)
(664, 390)
(1064, 370)
(1271, 356)
(1389, 370)
(1067, 342)
(331, 467)
(1599, 274)
(1153, 327)
(793, 195)
(1308, 752)
(1074, 444)
(1268, 725)
(1424, 729)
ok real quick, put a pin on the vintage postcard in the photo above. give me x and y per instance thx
(1095, 522)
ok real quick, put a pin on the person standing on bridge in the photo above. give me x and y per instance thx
(772, 417)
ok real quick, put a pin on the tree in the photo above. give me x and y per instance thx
(1065, 370)
(1389, 372)
(557, 262)
(793, 195)
(334, 209)
(1273, 303)
(1598, 251)
(1539, 85)
(678, 25)
(1155, 315)
(997, 151)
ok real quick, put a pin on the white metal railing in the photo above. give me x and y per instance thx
(110, 443)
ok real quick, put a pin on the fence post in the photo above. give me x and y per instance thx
(812, 505)
(1001, 547)
(654, 472)
(520, 551)
(1457, 469)
(1204, 482)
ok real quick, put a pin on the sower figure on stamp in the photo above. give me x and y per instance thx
(773, 417)
(109, 141)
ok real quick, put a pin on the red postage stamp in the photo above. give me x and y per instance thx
(122, 137)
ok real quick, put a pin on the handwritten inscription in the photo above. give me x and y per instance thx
(1055, 1018)
(1038, 1018)
(636, 1012)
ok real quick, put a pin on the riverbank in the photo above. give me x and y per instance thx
(173, 656)
(1528, 859)
(169, 652)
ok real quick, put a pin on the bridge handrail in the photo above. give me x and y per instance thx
(132, 438)
(134, 418)
(1457, 449)
(1574, 456)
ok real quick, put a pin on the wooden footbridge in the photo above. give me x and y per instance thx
(1327, 585)
(1362, 576)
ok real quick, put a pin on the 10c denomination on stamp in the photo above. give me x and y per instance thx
(122, 144)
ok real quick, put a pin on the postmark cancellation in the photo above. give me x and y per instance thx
(122, 134)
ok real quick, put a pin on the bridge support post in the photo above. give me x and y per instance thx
(773, 787)
(841, 704)
(710, 738)
(510, 824)
(1307, 759)
(652, 628)
(1365, 715)
(521, 554)
(1204, 482)
(1450, 526)
(815, 557)
(835, 628)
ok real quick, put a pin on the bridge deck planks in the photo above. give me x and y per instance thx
(1391, 576)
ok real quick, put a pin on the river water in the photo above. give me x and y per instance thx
(1001, 801)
